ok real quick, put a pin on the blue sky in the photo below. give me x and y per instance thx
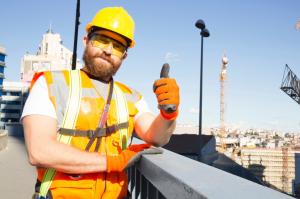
(258, 37)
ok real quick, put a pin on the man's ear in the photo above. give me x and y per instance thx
(85, 40)
(124, 56)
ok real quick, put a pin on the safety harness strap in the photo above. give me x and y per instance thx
(103, 118)
(69, 121)
(99, 132)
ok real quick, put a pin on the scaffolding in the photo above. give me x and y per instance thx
(276, 167)
(285, 169)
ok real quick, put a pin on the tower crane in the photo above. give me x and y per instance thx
(223, 78)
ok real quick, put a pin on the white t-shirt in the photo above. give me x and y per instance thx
(39, 103)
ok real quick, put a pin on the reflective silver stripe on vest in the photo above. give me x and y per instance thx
(60, 90)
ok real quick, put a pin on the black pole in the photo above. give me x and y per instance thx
(74, 58)
(201, 83)
(204, 33)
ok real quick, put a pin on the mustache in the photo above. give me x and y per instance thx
(103, 56)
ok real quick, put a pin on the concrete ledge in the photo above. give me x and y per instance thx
(3, 139)
(175, 176)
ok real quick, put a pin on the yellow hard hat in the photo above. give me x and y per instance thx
(115, 19)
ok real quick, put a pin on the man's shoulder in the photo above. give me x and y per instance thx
(56, 76)
(52, 71)
(125, 88)
(47, 73)
(128, 90)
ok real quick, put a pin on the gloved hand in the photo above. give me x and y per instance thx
(129, 157)
(167, 92)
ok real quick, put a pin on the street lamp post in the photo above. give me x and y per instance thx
(204, 33)
(77, 23)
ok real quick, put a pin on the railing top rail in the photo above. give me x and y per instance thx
(176, 176)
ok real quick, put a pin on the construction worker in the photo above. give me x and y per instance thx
(78, 124)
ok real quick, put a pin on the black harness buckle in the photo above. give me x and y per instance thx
(90, 133)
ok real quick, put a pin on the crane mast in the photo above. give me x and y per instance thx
(223, 78)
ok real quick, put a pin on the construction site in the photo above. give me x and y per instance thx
(276, 167)
(271, 158)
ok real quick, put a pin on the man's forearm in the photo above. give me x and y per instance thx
(154, 130)
(67, 159)
(161, 130)
(45, 151)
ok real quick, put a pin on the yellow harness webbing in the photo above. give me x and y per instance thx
(69, 121)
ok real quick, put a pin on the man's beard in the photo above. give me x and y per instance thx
(99, 65)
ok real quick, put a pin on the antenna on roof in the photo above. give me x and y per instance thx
(50, 28)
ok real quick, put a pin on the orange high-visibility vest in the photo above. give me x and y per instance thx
(92, 102)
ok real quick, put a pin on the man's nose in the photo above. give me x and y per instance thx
(108, 48)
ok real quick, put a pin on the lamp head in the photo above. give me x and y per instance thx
(200, 24)
(204, 33)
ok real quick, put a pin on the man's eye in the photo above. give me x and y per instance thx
(118, 46)
(104, 40)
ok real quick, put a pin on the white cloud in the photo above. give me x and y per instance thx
(171, 57)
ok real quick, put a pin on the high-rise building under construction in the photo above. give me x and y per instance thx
(276, 167)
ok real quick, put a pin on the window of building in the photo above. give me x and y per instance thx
(11, 102)
(6, 93)
(2, 57)
(15, 93)
(12, 93)
(10, 111)
(46, 49)
(7, 120)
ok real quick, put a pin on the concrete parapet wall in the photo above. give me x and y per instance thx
(169, 175)
(3, 139)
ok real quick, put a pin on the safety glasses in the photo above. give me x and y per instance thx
(102, 41)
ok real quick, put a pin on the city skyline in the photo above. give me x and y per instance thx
(259, 38)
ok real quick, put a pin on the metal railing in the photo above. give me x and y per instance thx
(170, 175)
